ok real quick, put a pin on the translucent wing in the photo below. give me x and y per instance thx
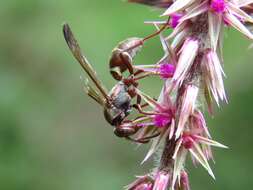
(76, 51)
(155, 3)
(93, 93)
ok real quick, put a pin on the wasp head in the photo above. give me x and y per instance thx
(122, 56)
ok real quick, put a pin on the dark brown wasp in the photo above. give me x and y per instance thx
(117, 102)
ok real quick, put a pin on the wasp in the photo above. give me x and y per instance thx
(116, 103)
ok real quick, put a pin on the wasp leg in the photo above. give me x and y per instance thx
(138, 72)
(147, 74)
(144, 140)
(140, 107)
(138, 101)
(126, 129)
(137, 140)
(149, 36)
(151, 136)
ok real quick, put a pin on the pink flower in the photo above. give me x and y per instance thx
(188, 141)
(163, 109)
(184, 181)
(142, 183)
(166, 70)
(174, 20)
(162, 120)
(219, 6)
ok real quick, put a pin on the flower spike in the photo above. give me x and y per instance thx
(190, 69)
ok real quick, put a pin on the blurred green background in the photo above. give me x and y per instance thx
(53, 137)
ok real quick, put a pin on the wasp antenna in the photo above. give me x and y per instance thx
(76, 51)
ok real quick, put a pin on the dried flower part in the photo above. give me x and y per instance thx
(196, 61)
(197, 124)
(144, 187)
(187, 56)
(188, 106)
(141, 183)
(162, 180)
(184, 181)
(213, 76)
(177, 6)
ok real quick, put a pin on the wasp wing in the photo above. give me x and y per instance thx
(93, 93)
(154, 3)
(76, 51)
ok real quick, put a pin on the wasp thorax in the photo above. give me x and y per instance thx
(120, 105)
(123, 55)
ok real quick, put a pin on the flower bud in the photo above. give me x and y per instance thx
(142, 183)
(218, 6)
(166, 70)
(188, 141)
(174, 20)
(184, 181)
(162, 180)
